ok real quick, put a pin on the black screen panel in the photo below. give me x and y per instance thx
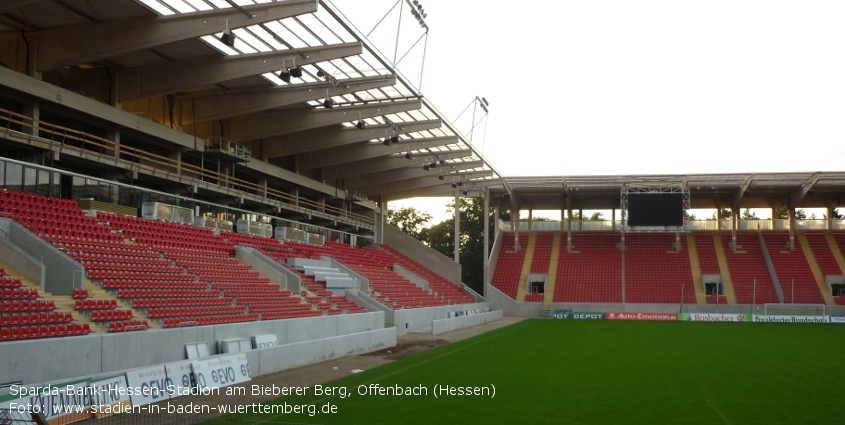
(655, 209)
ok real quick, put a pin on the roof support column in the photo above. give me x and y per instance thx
(791, 211)
(457, 227)
(530, 219)
(613, 219)
(515, 226)
(734, 225)
(569, 229)
(486, 193)
(32, 110)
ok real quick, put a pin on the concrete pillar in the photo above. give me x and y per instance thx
(791, 212)
(176, 155)
(457, 255)
(829, 215)
(32, 110)
(613, 219)
(515, 226)
(486, 240)
(530, 218)
(113, 134)
(569, 230)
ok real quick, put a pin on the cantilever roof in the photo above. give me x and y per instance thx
(336, 61)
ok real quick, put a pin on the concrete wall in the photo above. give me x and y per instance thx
(499, 301)
(27, 265)
(420, 319)
(421, 253)
(455, 323)
(61, 270)
(407, 274)
(267, 267)
(60, 358)
(364, 300)
(249, 256)
(363, 282)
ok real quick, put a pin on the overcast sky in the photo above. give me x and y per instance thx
(632, 87)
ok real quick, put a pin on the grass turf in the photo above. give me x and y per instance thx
(609, 372)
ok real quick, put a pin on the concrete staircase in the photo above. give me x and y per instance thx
(814, 266)
(695, 267)
(97, 292)
(526, 268)
(723, 268)
(63, 302)
(549, 295)
(837, 254)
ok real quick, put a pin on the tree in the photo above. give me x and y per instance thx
(409, 220)
(441, 237)
(782, 213)
(836, 215)
(723, 215)
(748, 215)
(597, 216)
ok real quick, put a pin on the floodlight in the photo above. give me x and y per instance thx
(285, 76)
(386, 142)
(464, 193)
(328, 104)
(394, 139)
(360, 125)
(407, 155)
(228, 38)
(441, 177)
(426, 167)
(296, 72)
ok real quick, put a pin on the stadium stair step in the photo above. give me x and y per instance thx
(814, 267)
(723, 268)
(695, 267)
(62, 302)
(526, 267)
(837, 253)
(552, 276)
(97, 292)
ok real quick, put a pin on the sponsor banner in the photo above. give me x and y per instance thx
(562, 314)
(266, 341)
(761, 318)
(706, 317)
(836, 319)
(588, 316)
(58, 403)
(203, 376)
(181, 375)
(149, 385)
(221, 371)
(642, 316)
(110, 396)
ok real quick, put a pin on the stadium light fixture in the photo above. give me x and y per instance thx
(394, 139)
(386, 142)
(296, 72)
(285, 76)
(464, 192)
(408, 155)
(228, 38)
(441, 177)
(328, 103)
(426, 167)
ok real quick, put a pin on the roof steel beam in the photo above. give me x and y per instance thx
(364, 151)
(153, 80)
(78, 44)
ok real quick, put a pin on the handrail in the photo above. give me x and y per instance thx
(20, 245)
(58, 245)
(149, 162)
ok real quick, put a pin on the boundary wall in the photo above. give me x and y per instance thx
(311, 339)
(455, 323)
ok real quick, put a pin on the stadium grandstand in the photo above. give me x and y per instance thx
(184, 179)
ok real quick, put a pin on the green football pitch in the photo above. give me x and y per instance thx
(603, 372)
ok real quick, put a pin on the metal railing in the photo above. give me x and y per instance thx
(21, 246)
(60, 138)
